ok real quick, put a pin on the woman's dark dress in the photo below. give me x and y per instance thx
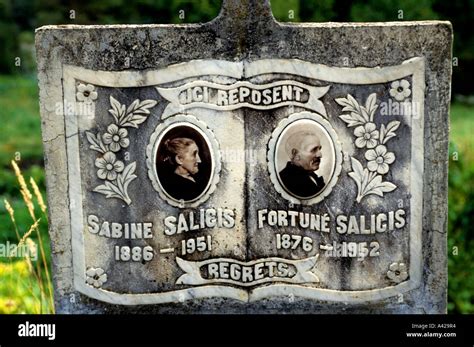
(181, 188)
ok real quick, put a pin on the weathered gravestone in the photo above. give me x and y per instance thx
(245, 165)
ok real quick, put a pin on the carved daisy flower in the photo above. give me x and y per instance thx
(397, 272)
(366, 135)
(379, 159)
(108, 166)
(116, 138)
(400, 90)
(86, 93)
(96, 277)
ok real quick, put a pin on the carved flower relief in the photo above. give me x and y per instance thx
(108, 166)
(86, 93)
(400, 90)
(116, 138)
(96, 277)
(397, 272)
(367, 135)
(379, 159)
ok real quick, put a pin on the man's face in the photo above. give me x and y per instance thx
(189, 158)
(308, 156)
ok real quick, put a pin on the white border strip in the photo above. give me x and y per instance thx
(172, 73)
(358, 75)
(74, 181)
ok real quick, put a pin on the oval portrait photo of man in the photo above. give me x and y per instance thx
(305, 157)
(183, 162)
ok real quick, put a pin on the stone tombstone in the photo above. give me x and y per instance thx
(247, 166)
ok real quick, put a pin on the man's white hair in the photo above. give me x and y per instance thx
(295, 139)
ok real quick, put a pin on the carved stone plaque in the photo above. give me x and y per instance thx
(259, 180)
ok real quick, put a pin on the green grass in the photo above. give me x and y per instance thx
(462, 128)
(20, 287)
(20, 140)
(461, 210)
(20, 120)
(21, 134)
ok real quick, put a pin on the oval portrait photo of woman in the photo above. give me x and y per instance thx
(184, 161)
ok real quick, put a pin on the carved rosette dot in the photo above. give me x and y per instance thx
(86, 93)
(400, 90)
(96, 277)
(397, 272)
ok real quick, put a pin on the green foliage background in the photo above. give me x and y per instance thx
(20, 135)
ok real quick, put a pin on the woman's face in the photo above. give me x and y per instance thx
(189, 158)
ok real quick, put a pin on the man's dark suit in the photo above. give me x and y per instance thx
(301, 182)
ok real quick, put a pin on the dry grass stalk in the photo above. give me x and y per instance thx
(28, 198)
(28, 233)
(38, 195)
(11, 212)
(21, 180)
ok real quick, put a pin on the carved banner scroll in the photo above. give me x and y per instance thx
(247, 274)
(243, 94)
